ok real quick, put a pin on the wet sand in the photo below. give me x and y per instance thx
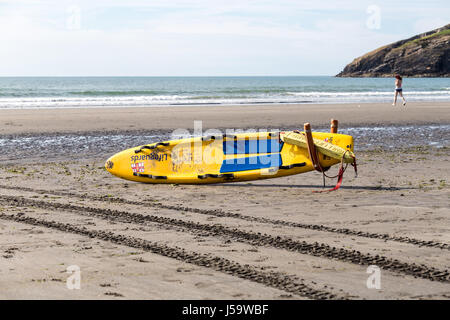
(270, 239)
(251, 116)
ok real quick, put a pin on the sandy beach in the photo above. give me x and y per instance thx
(16, 121)
(271, 239)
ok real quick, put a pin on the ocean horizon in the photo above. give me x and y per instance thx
(123, 91)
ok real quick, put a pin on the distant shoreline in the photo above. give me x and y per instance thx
(231, 105)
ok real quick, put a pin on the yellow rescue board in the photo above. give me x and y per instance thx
(228, 158)
(328, 149)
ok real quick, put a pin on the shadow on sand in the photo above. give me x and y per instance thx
(321, 187)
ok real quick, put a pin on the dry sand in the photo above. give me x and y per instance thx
(271, 239)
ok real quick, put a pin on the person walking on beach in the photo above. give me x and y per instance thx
(398, 89)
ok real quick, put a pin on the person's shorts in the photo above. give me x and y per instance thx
(399, 90)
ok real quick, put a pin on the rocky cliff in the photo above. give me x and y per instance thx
(424, 55)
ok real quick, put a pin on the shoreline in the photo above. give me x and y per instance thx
(28, 136)
(221, 104)
(73, 120)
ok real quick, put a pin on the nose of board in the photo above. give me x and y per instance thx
(109, 165)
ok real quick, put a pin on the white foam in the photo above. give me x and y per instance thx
(256, 98)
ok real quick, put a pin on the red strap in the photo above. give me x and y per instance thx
(318, 167)
(340, 178)
(338, 184)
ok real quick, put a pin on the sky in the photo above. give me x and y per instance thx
(202, 37)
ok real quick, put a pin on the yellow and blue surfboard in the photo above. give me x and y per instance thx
(225, 158)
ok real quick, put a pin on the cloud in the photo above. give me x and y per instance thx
(187, 37)
(424, 25)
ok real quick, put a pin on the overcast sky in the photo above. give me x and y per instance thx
(204, 37)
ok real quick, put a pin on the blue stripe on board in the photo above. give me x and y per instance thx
(251, 146)
(251, 163)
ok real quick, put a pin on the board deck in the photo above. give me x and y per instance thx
(228, 158)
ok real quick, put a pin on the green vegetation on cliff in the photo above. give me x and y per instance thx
(424, 55)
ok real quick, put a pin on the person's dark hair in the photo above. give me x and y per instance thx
(397, 76)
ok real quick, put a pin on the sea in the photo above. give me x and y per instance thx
(98, 92)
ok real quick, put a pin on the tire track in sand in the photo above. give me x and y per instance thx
(221, 213)
(272, 279)
(252, 238)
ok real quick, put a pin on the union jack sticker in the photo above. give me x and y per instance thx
(137, 167)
